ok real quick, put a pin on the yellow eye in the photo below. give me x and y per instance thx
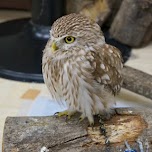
(69, 39)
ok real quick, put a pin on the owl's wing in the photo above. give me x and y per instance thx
(108, 68)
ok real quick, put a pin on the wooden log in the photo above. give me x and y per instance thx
(32, 133)
(137, 81)
(133, 23)
(97, 10)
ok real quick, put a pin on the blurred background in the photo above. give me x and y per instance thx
(24, 31)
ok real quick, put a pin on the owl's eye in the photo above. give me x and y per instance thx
(69, 39)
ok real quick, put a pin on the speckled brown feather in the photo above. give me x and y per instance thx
(109, 62)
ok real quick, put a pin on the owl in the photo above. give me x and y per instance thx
(80, 68)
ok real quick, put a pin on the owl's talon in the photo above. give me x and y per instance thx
(91, 125)
(91, 122)
(63, 113)
(68, 117)
(81, 118)
(56, 113)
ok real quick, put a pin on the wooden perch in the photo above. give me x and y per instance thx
(137, 81)
(24, 134)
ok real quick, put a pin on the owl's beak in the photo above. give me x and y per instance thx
(54, 47)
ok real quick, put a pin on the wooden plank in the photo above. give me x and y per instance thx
(32, 133)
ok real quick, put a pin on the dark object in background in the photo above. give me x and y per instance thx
(21, 50)
(16, 4)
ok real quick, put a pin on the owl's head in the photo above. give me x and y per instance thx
(75, 30)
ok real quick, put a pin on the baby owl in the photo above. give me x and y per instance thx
(80, 68)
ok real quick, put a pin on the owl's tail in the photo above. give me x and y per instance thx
(129, 99)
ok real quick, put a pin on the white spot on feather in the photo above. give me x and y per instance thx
(102, 66)
(107, 46)
(104, 81)
(110, 51)
(91, 58)
(105, 77)
(99, 79)
(115, 55)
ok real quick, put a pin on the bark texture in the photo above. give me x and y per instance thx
(133, 23)
(32, 133)
(137, 81)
